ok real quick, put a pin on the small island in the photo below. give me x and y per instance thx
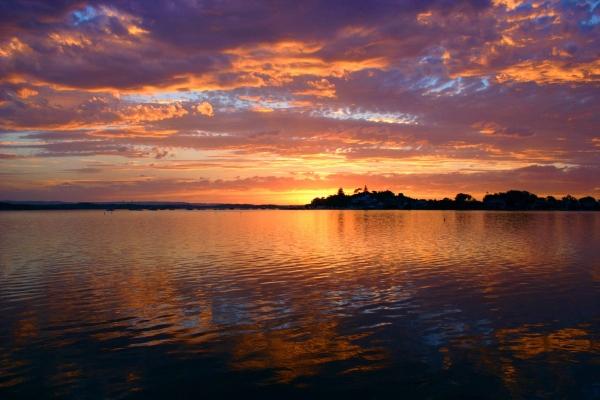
(363, 199)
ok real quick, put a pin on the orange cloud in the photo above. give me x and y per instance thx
(249, 98)
(320, 88)
(492, 128)
(552, 71)
(141, 113)
(510, 4)
(262, 109)
(205, 109)
(26, 92)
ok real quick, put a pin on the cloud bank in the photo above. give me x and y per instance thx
(424, 97)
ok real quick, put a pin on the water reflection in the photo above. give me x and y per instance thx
(431, 302)
(302, 351)
(526, 344)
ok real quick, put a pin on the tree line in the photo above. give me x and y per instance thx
(363, 198)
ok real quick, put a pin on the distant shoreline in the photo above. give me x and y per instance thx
(153, 206)
(227, 207)
(361, 199)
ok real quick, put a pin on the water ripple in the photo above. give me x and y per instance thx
(98, 305)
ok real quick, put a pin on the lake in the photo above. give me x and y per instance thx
(300, 304)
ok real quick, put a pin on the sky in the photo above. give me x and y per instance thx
(281, 101)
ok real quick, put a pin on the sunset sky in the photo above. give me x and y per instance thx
(281, 101)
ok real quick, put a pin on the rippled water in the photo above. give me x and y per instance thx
(377, 304)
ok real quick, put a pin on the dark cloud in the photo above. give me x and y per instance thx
(31, 14)
(8, 156)
(216, 25)
(87, 170)
(158, 43)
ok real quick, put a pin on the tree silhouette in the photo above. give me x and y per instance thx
(511, 200)
(587, 199)
(462, 197)
(515, 199)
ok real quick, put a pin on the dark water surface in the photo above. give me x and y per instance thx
(307, 304)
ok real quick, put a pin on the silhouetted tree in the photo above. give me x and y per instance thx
(515, 199)
(462, 197)
(570, 202)
(385, 195)
(341, 192)
(587, 199)
(587, 202)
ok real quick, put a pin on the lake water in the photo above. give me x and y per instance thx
(284, 304)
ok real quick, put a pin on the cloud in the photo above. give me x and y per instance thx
(262, 109)
(136, 46)
(141, 113)
(552, 72)
(205, 109)
(320, 88)
(117, 46)
(8, 156)
(432, 88)
(262, 134)
(70, 109)
(492, 128)
(26, 92)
